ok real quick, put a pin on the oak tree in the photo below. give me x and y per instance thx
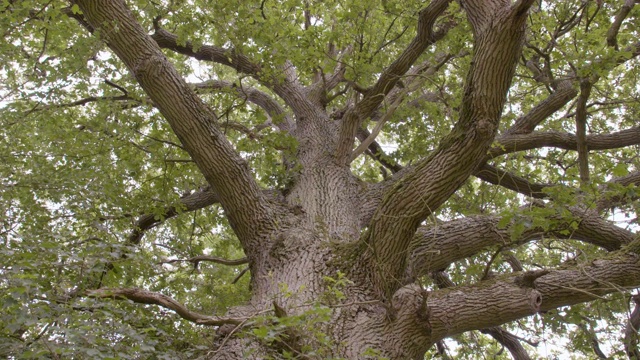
(319, 179)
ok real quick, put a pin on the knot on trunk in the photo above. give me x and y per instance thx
(409, 303)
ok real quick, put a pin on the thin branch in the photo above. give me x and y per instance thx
(195, 260)
(152, 298)
(493, 175)
(612, 34)
(608, 201)
(198, 200)
(364, 145)
(253, 95)
(425, 36)
(239, 276)
(378, 153)
(554, 102)
(509, 341)
(631, 331)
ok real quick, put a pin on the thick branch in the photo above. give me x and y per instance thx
(507, 339)
(435, 248)
(504, 299)
(423, 189)
(147, 297)
(191, 120)
(375, 95)
(516, 142)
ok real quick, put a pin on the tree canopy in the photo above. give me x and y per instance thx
(466, 170)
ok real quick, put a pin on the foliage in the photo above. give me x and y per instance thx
(85, 153)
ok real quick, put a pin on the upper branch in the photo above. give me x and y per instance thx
(516, 142)
(375, 95)
(496, 176)
(228, 57)
(612, 34)
(581, 130)
(559, 98)
(425, 187)
(192, 121)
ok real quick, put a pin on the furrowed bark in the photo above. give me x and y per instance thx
(505, 338)
(504, 299)
(435, 248)
(192, 121)
(422, 190)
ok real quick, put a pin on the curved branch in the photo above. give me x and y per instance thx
(151, 298)
(287, 90)
(228, 57)
(508, 340)
(612, 34)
